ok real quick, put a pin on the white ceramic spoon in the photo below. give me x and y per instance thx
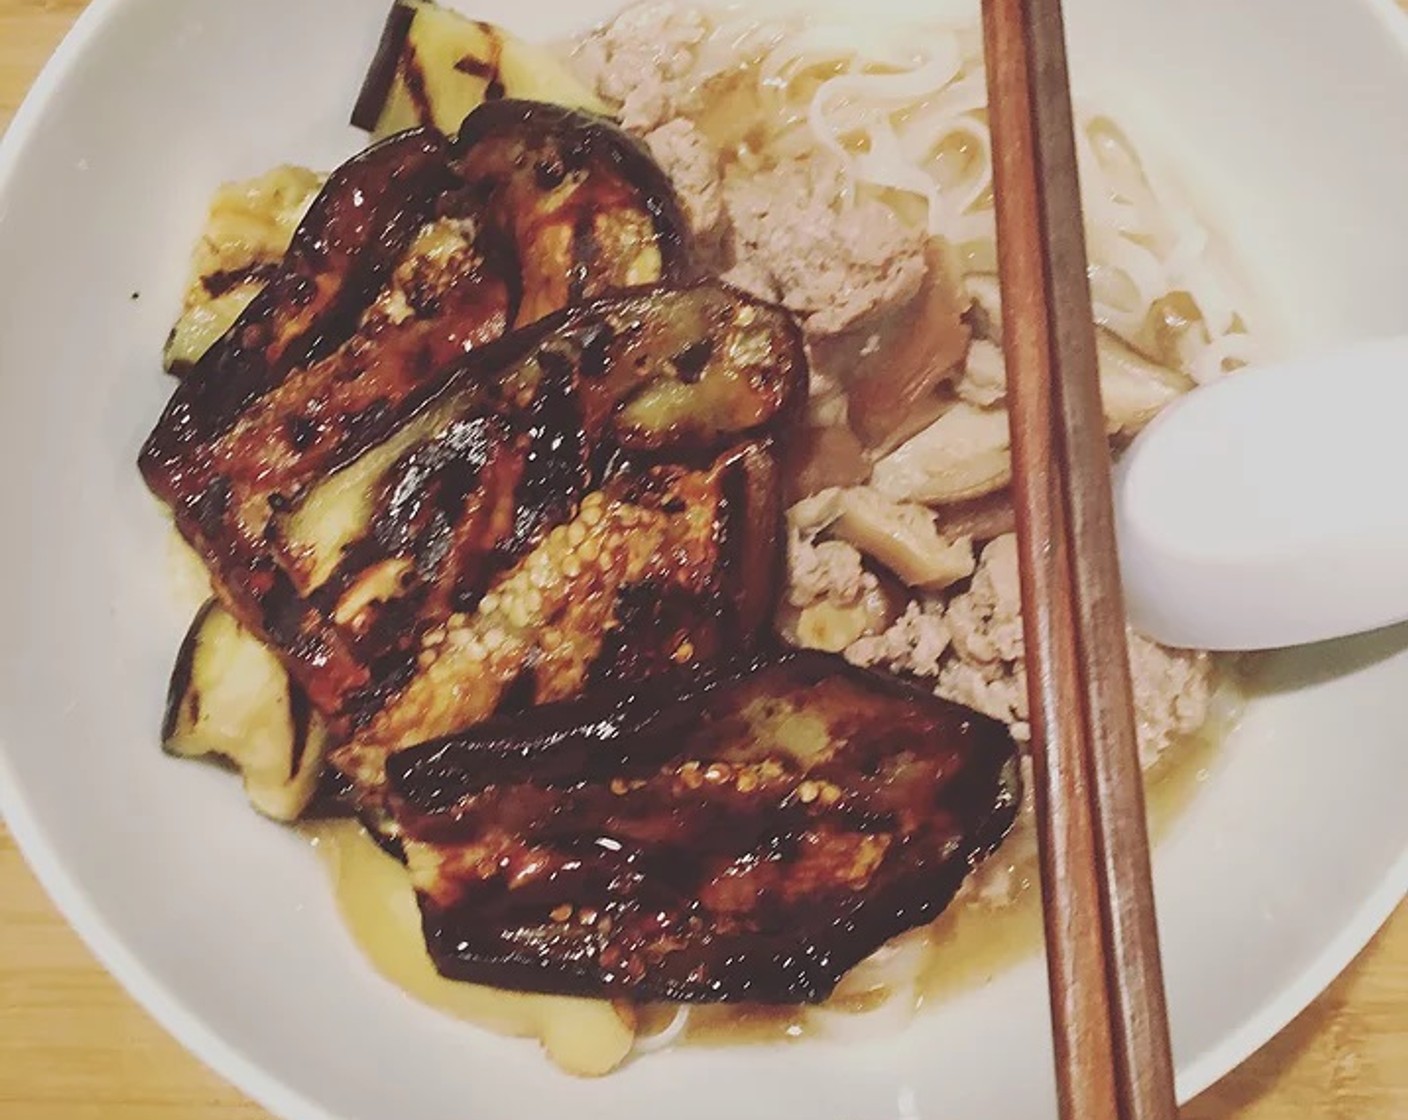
(1269, 509)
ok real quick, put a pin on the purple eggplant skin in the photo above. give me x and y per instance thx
(342, 253)
(747, 835)
(586, 205)
(302, 384)
(381, 74)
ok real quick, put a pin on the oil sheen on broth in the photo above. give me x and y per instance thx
(969, 945)
(973, 941)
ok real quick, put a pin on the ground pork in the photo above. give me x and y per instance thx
(692, 164)
(824, 570)
(987, 618)
(972, 648)
(832, 600)
(1172, 694)
(830, 262)
(915, 644)
(644, 60)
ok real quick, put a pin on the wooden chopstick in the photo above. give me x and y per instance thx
(1107, 996)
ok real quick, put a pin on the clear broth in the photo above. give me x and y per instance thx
(969, 945)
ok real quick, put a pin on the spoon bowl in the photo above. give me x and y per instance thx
(1261, 511)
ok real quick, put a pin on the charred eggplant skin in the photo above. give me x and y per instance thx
(749, 835)
(341, 254)
(308, 379)
(534, 422)
(588, 208)
(381, 74)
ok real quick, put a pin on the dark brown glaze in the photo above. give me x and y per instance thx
(739, 836)
(354, 337)
(588, 208)
(504, 451)
(524, 444)
(660, 622)
(296, 389)
(649, 578)
(340, 255)
(327, 413)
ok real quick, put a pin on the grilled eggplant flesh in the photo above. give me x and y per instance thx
(738, 836)
(247, 232)
(348, 580)
(587, 208)
(434, 65)
(275, 447)
(230, 698)
(659, 569)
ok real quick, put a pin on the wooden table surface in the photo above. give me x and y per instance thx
(74, 1046)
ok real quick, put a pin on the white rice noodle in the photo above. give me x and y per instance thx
(918, 126)
(863, 103)
(666, 1038)
(894, 969)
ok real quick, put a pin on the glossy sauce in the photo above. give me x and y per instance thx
(374, 896)
(973, 942)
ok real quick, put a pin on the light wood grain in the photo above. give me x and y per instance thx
(73, 1046)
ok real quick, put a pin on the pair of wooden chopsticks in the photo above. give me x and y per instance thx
(1108, 1011)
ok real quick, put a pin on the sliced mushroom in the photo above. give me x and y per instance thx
(904, 538)
(983, 519)
(894, 390)
(964, 454)
(1133, 388)
(984, 314)
(811, 515)
(984, 380)
(818, 458)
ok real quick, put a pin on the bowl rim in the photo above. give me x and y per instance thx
(183, 1023)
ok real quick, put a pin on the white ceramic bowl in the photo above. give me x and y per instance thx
(1286, 118)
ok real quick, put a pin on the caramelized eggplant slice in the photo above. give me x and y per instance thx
(568, 616)
(434, 65)
(231, 698)
(247, 232)
(677, 371)
(347, 359)
(745, 836)
(407, 259)
(344, 249)
(587, 207)
(347, 578)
